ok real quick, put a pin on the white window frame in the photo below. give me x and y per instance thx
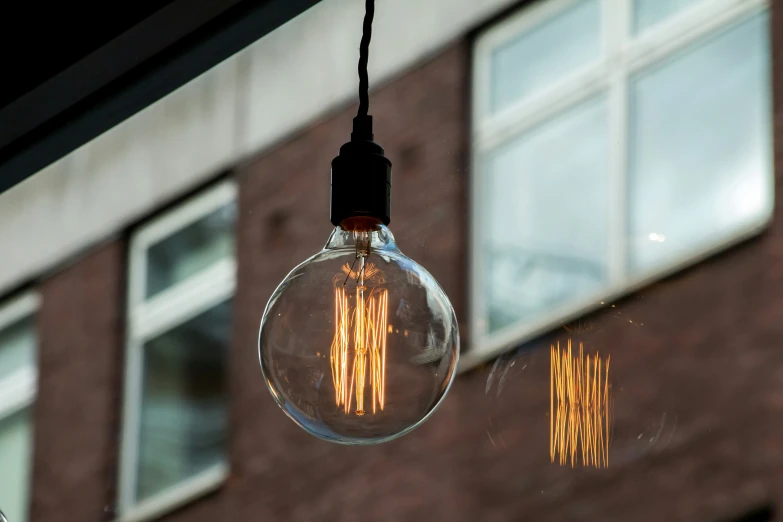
(624, 54)
(19, 390)
(149, 317)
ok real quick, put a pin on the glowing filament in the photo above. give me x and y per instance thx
(579, 414)
(358, 354)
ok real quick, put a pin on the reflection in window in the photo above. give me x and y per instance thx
(700, 166)
(633, 167)
(183, 412)
(191, 249)
(650, 12)
(549, 53)
(547, 230)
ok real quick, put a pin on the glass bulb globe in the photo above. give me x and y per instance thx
(359, 344)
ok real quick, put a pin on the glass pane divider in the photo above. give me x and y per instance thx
(18, 391)
(518, 119)
(19, 308)
(618, 21)
(184, 301)
(686, 29)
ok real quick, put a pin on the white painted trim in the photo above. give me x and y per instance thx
(624, 57)
(150, 317)
(617, 16)
(183, 493)
(18, 390)
(184, 301)
(18, 308)
(131, 426)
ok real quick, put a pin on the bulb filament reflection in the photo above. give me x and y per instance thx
(358, 352)
(579, 408)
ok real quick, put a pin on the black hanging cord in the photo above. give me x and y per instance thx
(362, 124)
(361, 173)
(364, 51)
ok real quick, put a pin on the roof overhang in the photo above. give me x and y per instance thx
(68, 79)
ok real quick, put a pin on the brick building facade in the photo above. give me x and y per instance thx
(697, 370)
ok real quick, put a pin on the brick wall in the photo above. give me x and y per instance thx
(77, 411)
(697, 376)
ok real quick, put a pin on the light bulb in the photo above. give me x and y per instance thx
(359, 344)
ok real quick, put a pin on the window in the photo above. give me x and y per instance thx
(615, 141)
(182, 278)
(18, 384)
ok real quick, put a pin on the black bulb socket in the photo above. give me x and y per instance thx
(361, 178)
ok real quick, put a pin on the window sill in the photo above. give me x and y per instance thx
(189, 490)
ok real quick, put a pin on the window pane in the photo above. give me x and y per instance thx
(546, 53)
(701, 155)
(17, 347)
(191, 249)
(15, 453)
(183, 417)
(649, 12)
(546, 217)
